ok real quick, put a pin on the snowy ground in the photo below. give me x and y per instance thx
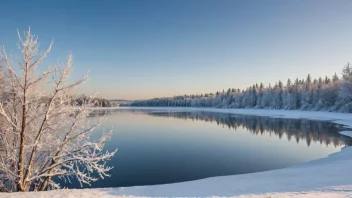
(329, 177)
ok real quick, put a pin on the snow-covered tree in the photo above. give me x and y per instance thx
(260, 96)
(307, 93)
(2, 80)
(44, 133)
(347, 73)
(288, 94)
(296, 98)
(344, 102)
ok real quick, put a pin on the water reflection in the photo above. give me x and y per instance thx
(294, 129)
(160, 147)
(299, 130)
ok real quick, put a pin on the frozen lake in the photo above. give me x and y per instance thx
(160, 147)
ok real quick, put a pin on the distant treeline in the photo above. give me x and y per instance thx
(326, 94)
(75, 100)
(97, 102)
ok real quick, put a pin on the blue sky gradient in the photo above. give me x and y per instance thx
(144, 49)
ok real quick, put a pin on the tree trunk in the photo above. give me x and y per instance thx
(21, 153)
(20, 165)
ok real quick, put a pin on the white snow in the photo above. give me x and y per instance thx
(327, 177)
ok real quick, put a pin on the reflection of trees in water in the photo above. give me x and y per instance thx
(99, 113)
(294, 129)
(105, 112)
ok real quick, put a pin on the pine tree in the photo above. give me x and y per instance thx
(306, 96)
(297, 95)
(347, 73)
(335, 78)
(327, 80)
(344, 102)
(280, 94)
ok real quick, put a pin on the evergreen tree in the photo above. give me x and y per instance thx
(297, 95)
(306, 96)
(344, 103)
(347, 73)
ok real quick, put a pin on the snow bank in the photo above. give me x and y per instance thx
(99, 193)
(327, 177)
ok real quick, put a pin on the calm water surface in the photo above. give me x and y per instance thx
(159, 147)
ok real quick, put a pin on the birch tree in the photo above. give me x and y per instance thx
(44, 132)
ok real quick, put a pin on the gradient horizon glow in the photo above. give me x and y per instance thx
(145, 49)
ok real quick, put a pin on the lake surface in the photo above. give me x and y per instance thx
(160, 147)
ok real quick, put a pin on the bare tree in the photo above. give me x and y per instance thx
(43, 132)
(2, 80)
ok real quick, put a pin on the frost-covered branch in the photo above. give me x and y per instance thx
(45, 134)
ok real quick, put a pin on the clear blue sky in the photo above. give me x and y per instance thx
(143, 49)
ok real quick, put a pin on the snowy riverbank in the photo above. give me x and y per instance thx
(327, 177)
